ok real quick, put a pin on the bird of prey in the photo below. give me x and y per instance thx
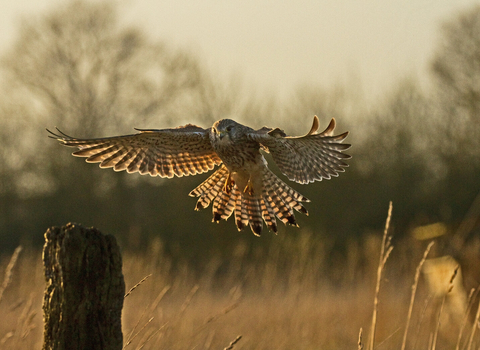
(243, 185)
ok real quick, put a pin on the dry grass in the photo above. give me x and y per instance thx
(414, 293)
(385, 250)
(292, 299)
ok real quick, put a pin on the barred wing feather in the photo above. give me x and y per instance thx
(308, 158)
(181, 151)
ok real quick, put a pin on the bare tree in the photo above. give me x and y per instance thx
(456, 69)
(81, 67)
(78, 69)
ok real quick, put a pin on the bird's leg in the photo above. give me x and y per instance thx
(249, 188)
(227, 188)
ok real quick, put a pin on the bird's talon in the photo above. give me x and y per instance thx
(248, 189)
(227, 187)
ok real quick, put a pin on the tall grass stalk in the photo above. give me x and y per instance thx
(385, 251)
(137, 285)
(474, 328)
(449, 289)
(360, 344)
(420, 321)
(8, 271)
(218, 315)
(414, 292)
(150, 336)
(132, 334)
(233, 342)
(471, 297)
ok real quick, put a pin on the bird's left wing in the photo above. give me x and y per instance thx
(181, 151)
(312, 157)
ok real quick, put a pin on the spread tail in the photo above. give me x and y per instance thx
(276, 200)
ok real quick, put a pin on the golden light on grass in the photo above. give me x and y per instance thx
(233, 342)
(360, 344)
(8, 271)
(298, 296)
(414, 293)
(474, 329)
(137, 285)
(385, 250)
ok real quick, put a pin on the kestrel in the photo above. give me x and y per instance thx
(243, 185)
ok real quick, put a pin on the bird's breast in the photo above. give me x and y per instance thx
(237, 156)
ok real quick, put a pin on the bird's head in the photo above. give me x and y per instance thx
(225, 129)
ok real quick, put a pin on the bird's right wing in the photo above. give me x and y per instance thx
(181, 151)
(304, 159)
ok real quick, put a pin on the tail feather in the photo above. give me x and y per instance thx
(282, 210)
(219, 205)
(268, 214)
(276, 200)
(224, 205)
(205, 186)
(293, 203)
(243, 210)
(283, 199)
(238, 211)
(241, 216)
(230, 205)
(286, 190)
(254, 213)
(210, 188)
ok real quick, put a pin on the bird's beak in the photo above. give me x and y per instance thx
(221, 134)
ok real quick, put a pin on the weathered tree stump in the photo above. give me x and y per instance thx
(85, 289)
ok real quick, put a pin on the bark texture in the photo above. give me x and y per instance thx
(84, 289)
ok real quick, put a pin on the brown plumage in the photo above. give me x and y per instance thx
(243, 185)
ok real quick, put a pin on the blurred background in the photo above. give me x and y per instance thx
(404, 79)
(402, 76)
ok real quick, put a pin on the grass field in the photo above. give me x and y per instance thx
(295, 297)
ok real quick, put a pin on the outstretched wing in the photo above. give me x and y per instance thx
(307, 158)
(182, 151)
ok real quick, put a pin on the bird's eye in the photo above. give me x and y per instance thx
(229, 128)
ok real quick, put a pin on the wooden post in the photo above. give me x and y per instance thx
(85, 289)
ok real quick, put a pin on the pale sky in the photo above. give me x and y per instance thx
(277, 45)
